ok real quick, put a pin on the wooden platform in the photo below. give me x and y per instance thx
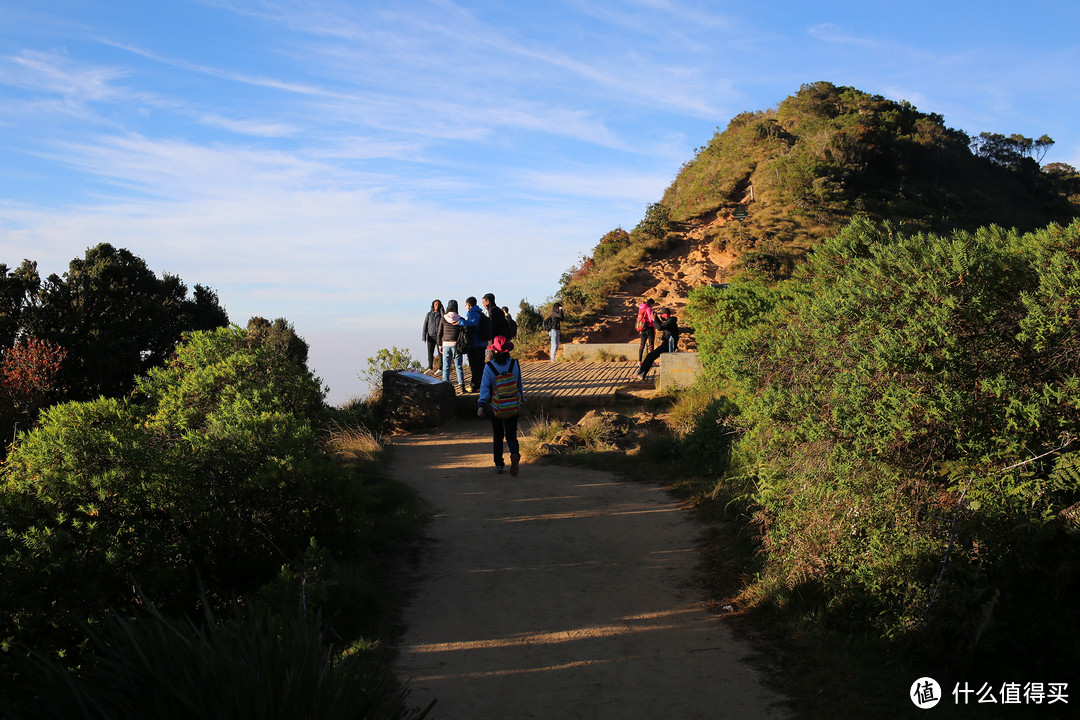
(573, 383)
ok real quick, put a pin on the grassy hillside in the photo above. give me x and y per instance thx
(802, 170)
(776, 183)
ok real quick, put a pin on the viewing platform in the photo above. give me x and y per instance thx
(578, 383)
(557, 388)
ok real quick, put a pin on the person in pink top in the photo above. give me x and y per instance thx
(644, 326)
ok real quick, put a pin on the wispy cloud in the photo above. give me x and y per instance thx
(259, 128)
(54, 73)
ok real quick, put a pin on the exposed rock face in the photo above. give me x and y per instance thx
(414, 400)
(690, 262)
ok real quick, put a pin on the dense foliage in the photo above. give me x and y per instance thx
(113, 317)
(212, 475)
(28, 371)
(826, 154)
(910, 408)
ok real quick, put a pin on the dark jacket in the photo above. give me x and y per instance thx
(669, 330)
(449, 328)
(499, 326)
(431, 326)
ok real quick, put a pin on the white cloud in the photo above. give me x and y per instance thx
(258, 128)
(53, 73)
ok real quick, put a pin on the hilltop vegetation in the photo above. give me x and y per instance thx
(827, 154)
(775, 183)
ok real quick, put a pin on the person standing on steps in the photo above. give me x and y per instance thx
(430, 333)
(553, 324)
(501, 396)
(669, 341)
(479, 326)
(644, 327)
(449, 329)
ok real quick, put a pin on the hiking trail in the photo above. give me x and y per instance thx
(561, 593)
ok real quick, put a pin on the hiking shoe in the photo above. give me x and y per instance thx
(514, 459)
(498, 469)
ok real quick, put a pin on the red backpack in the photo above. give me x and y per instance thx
(641, 318)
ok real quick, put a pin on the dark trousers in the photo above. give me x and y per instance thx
(647, 336)
(647, 364)
(476, 366)
(503, 428)
(431, 343)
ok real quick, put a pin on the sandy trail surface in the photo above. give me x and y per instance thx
(560, 593)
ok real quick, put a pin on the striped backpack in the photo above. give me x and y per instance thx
(504, 393)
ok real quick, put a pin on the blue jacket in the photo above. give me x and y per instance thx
(475, 320)
(487, 384)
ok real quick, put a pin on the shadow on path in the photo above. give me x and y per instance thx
(561, 593)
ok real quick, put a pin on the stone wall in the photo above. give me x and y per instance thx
(414, 400)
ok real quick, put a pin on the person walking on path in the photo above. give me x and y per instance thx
(430, 333)
(553, 324)
(449, 329)
(644, 327)
(479, 326)
(501, 395)
(669, 340)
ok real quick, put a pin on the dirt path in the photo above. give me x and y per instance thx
(561, 593)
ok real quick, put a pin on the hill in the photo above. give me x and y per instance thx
(775, 183)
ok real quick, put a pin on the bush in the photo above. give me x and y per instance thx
(213, 474)
(898, 385)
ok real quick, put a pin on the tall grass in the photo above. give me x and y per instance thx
(253, 667)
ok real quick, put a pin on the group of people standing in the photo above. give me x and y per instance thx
(483, 335)
(647, 323)
(443, 327)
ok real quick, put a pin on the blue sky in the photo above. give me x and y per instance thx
(341, 164)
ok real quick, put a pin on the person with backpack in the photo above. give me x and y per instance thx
(644, 327)
(499, 326)
(479, 327)
(669, 341)
(450, 329)
(430, 334)
(553, 324)
(510, 323)
(501, 396)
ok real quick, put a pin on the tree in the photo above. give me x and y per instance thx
(116, 319)
(907, 392)
(18, 290)
(657, 220)
(393, 359)
(28, 372)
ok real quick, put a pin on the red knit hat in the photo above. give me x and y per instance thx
(501, 344)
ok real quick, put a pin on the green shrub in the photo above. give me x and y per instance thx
(213, 475)
(902, 393)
